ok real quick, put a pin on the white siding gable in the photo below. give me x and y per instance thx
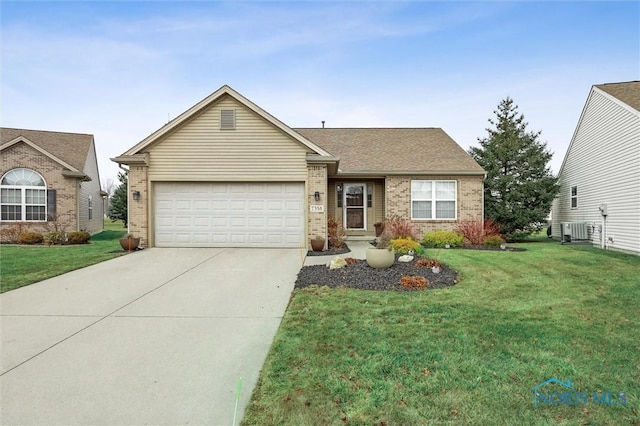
(603, 162)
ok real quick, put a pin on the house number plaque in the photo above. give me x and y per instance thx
(316, 208)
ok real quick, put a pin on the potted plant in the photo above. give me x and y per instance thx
(129, 242)
(317, 243)
(382, 255)
(379, 228)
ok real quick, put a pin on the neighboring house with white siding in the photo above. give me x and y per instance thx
(48, 177)
(226, 173)
(600, 175)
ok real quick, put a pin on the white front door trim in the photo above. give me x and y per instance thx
(347, 207)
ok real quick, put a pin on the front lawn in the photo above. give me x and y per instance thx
(468, 354)
(24, 265)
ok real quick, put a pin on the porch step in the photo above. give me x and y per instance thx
(360, 238)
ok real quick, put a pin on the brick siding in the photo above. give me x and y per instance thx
(22, 155)
(139, 210)
(469, 206)
(316, 181)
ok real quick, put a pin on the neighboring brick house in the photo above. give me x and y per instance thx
(226, 173)
(48, 177)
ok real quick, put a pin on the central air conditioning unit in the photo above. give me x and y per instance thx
(574, 231)
(580, 231)
(565, 231)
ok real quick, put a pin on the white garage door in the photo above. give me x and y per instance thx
(229, 214)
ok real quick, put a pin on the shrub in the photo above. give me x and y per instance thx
(414, 282)
(494, 241)
(384, 240)
(428, 263)
(442, 238)
(403, 245)
(30, 237)
(53, 238)
(78, 237)
(336, 234)
(475, 231)
(400, 227)
(10, 235)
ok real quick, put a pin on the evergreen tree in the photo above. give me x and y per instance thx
(519, 187)
(118, 205)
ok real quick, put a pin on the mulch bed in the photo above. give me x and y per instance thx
(343, 250)
(362, 276)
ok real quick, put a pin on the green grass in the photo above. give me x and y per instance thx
(468, 354)
(24, 265)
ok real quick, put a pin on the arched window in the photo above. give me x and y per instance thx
(23, 196)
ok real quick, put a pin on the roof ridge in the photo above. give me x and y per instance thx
(369, 128)
(617, 82)
(45, 131)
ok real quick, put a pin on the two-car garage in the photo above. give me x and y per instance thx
(229, 214)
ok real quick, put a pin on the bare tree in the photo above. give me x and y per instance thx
(109, 186)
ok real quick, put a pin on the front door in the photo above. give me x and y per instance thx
(354, 201)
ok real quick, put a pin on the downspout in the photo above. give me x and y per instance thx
(78, 195)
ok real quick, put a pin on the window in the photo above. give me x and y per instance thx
(574, 197)
(433, 199)
(90, 207)
(23, 196)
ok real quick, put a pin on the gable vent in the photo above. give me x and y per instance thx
(227, 119)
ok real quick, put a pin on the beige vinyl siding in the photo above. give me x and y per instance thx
(378, 202)
(375, 213)
(91, 188)
(603, 161)
(331, 199)
(255, 151)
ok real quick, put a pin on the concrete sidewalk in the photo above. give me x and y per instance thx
(160, 336)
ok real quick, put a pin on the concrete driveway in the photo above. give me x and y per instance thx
(159, 336)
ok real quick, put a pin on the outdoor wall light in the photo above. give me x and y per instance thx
(316, 196)
(136, 195)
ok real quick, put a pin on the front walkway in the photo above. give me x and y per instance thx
(358, 251)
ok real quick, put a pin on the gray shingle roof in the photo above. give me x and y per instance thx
(627, 92)
(72, 148)
(396, 150)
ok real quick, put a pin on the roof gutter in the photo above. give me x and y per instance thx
(131, 159)
(412, 172)
(76, 175)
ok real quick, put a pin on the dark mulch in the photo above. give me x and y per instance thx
(361, 276)
(343, 250)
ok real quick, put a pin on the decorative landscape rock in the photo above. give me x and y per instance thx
(405, 258)
(337, 263)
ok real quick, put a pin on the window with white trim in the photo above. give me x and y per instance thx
(574, 197)
(433, 199)
(90, 202)
(23, 196)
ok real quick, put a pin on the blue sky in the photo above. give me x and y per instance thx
(119, 70)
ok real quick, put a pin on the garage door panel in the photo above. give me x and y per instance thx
(238, 205)
(229, 214)
(220, 204)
